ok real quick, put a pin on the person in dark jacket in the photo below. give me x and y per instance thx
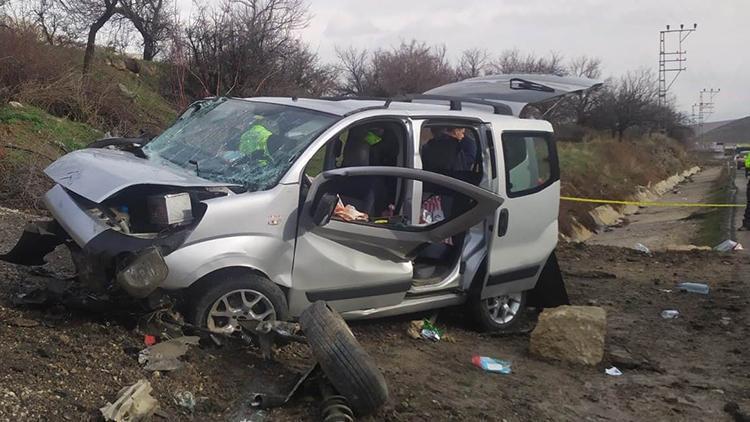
(450, 150)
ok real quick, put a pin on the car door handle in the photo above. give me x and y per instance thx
(502, 222)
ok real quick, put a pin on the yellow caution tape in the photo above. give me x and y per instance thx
(649, 204)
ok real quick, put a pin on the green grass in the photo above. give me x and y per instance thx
(33, 128)
(714, 224)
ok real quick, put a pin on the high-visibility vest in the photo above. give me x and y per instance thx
(747, 161)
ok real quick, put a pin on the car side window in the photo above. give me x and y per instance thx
(530, 163)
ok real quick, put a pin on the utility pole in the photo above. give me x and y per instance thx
(671, 61)
(705, 108)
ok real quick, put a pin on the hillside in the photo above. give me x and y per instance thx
(735, 132)
(709, 126)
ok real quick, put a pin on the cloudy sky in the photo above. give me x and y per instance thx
(623, 33)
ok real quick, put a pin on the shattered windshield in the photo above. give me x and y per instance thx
(237, 141)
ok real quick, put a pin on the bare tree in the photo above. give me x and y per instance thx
(473, 63)
(410, 68)
(93, 14)
(52, 19)
(150, 18)
(631, 101)
(585, 67)
(356, 71)
(512, 61)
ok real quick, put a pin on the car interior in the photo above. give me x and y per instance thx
(381, 200)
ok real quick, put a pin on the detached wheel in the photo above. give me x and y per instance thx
(221, 302)
(498, 313)
(346, 364)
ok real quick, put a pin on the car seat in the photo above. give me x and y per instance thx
(366, 193)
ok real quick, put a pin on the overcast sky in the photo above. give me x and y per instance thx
(623, 33)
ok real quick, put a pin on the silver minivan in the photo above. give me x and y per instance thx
(252, 209)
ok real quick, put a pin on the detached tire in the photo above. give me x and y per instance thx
(346, 364)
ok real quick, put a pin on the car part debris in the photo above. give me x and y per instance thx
(613, 371)
(491, 364)
(23, 322)
(269, 332)
(266, 400)
(133, 404)
(700, 288)
(37, 240)
(165, 356)
(170, 209)
(670, 313)
(334, 407)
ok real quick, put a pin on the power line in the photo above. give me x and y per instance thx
(672, 61)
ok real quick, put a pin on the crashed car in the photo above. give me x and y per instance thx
(254, 208)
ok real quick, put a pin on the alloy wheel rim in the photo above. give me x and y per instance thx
(502, 309)
(230, 310)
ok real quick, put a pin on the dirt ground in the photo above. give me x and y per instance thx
(60, 364)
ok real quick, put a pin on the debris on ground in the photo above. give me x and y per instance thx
(133, 404)
(640, 247)
(23, 322)
(701, 288)
(491, 365)
(415, 328)
(430, 331)
(728, 245)
(670, 313)
(165, 356)
(185, 399)
(613, 371)
(149, 340)
(570, 333)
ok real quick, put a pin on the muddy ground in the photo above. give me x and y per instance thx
(60, 364)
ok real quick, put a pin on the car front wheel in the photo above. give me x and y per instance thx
(498, 313)
(223, 302)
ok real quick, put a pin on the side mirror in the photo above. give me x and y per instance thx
(323, 208)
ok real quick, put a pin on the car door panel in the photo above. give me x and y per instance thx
(526, 232)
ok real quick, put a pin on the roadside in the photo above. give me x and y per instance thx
(62, 364)
(660, 228)
(740, 183)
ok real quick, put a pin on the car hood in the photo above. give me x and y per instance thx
(97, 174)
(516, 90)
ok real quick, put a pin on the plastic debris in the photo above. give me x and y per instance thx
(613, 371)
(430, 332)
(149, 340)
(415, 328)
(640, 247)
(670, 313)
(165, 356)
(701, 288)
(185, 399)
(133, 404)
(491, 364)
(728, 245)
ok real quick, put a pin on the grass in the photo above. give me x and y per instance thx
(714, 224)
(33, 128)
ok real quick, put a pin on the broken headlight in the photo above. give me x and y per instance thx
(144, 273)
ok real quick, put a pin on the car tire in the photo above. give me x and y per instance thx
(346, 364)
(234, 286)
(486, 321)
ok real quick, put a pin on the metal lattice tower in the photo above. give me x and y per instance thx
(671, 61)
(705, 107)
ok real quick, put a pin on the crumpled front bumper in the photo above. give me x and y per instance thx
(102, 255)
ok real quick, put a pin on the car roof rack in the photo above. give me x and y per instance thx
(457, 102)
(386, 102)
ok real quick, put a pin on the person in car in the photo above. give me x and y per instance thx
(451, 150)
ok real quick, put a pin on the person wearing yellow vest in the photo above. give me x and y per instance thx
(747, 164)
(255, 141)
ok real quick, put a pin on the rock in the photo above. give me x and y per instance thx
(15, 104)
(132, 65)
(125, 91)
(118, 64)
(23, 322)
(570, 333)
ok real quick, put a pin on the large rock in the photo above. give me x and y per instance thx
(571, 333)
